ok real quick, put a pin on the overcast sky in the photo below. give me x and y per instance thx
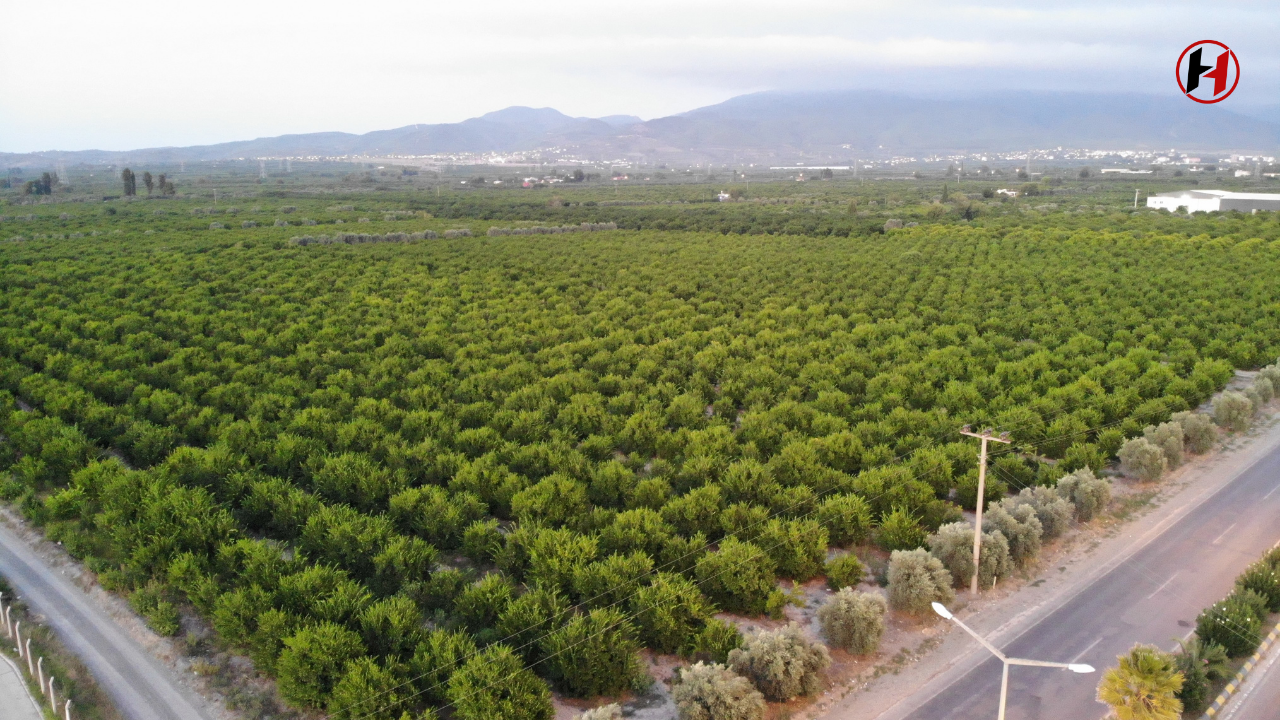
(78, 74)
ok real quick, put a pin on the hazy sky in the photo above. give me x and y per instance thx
(78, 74)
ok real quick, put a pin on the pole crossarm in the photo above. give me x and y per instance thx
(987, 434)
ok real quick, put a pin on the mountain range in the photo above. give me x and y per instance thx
(778, 127)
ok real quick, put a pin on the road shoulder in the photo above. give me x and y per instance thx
(15, 696)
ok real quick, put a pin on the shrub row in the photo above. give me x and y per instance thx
(554, 230)
(359, 238)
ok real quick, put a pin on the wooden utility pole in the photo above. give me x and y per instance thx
(984, 436)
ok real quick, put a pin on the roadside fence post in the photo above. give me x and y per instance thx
(67, 711)
(17, 631)
(31, 668)
(40, 669)
(53, 704)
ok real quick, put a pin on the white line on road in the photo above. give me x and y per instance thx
(1165, 585)
(1082, 652)
(1224, 533)
(1243, 697)
(1273, 492)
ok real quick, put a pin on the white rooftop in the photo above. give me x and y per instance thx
(1214, 201)
(1219, 194)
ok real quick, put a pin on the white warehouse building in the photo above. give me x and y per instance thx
(1212, 200)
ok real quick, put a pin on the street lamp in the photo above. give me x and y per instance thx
(1004, 680)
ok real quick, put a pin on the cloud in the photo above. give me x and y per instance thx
(83, 74)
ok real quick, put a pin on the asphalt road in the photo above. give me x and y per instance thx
(1152, 597)
(141, 688)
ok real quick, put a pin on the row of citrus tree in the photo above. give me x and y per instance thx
(326, 433)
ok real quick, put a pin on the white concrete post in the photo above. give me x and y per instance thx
(40, 670)
(17, 631)
(53, 703)
(31, 669)
(66, 711)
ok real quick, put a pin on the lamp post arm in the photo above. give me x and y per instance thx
(1036, 663)
(982, 640)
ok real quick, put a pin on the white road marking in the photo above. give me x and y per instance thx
(1165, 585)
(1273, 492)
(1224, 533)
(1178, 646)
(1082, 652)
(1243, 697)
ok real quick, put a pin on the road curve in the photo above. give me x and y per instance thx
(140, 686)
(1153, 596)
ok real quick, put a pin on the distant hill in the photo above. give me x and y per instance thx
(782, 126)
(1269, 113)
(878, 123)
(511, 129)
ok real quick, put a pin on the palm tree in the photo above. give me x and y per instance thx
(1199, 662)
(1144, 686)
(1211, 657)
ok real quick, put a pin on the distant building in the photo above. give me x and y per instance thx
(1214, 200)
